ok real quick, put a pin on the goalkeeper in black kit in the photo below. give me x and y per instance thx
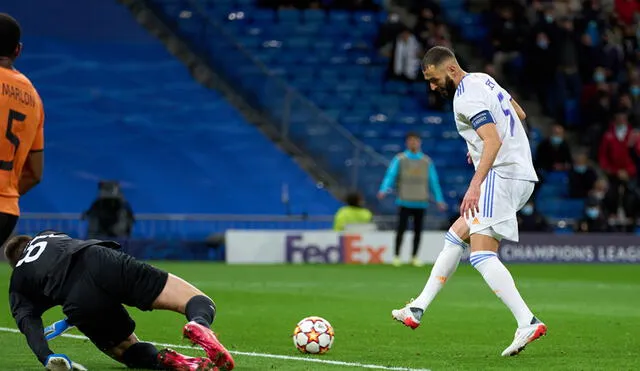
(92, 281)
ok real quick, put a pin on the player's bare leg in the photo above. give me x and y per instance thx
(140, 355)
(180, 296)
(444, 266)
(484, 248)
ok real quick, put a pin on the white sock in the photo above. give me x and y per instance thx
(443, 268)
(501, 282)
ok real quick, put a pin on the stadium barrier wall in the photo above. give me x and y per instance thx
(328, 247)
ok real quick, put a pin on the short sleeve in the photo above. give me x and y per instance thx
(475, 108)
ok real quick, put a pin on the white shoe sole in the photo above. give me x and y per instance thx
(58, 364)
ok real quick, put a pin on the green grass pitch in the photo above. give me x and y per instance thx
(593, 315)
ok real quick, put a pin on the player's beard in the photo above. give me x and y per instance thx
(449, 88)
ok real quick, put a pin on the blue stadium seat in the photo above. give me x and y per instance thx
(212, 144)
(289, 16)
(557, 178)
(561, 208)
(262, 16)
(314, 16)
(338, 16)
(346, 79)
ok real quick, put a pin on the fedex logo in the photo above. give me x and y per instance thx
(348, 250)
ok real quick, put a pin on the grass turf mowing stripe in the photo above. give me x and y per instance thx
(261, 355)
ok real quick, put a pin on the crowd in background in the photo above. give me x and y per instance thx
(580, 60)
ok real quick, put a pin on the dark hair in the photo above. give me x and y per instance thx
(353, 199)
(14, 248)
(436, 55)
(412, 134)
(9, 35)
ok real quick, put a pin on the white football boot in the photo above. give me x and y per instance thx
(524, 336)
(408, 315)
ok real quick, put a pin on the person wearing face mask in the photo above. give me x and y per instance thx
(582, 177)
(625, 103)
(599, 191)
(599, 76)
(593, 220)
(617, 162)
(540, 69)
(614, 155)
(633, 98)
(554, 153)
(530, 220)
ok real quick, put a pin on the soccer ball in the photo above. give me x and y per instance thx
(313, 335)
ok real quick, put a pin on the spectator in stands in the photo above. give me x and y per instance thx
(616, 161)
(507, 37)
(630, 44)
(582, 177)
(597, 115)
(626, 104)
(541, 71)
(593, 219)
(530, 220)
(425, 27)
(613, 53)
(614, 154)
(404, 57)
(110, 215)
(441, 36)
(591, 57)
(598, 193)
(553, 153)
(414, 175)
(388, 32)
(352, 213)
(627, 10)
(568, 82)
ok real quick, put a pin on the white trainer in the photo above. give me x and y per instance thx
(408, 315)
(524, 336)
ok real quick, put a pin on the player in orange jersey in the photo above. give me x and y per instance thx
(21, 129)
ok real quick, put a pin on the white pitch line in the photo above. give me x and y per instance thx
(261, 355)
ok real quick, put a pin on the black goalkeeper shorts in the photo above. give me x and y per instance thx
(99, 282)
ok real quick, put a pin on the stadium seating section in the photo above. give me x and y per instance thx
(328, 57)
(121, 107)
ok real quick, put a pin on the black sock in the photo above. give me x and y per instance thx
(201, 309)
(143, 356)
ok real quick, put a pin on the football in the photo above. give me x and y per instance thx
(313, 335)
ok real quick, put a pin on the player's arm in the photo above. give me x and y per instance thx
(31, 172)
(389, 177)
(34, 164)
(434, 185)
(477, 110)
(29, 321)
(491, 146)
(519, 111)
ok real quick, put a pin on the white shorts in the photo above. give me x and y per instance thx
(500, 200)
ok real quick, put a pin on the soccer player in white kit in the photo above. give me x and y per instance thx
(489, 120)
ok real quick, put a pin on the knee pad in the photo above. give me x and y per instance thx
(141, 355)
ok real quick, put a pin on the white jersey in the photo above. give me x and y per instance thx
(480, 100)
